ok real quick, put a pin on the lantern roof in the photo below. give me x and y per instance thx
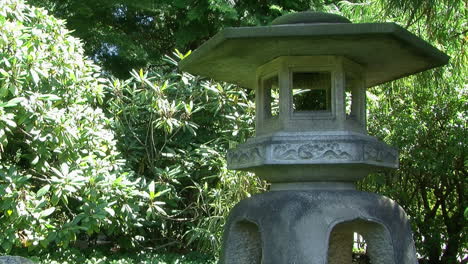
(385, 50)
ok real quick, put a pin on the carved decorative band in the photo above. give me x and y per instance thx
(244, 156)
(311, 151)
(315, 152)
(379, 154)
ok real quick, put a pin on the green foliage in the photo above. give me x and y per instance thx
(425, 116)
(430, 131)
(174, 129)
(72, 256)
(123, 34)
(61, 176)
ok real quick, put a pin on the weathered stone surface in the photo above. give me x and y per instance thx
(388, 50)
(14, 260)
(312, 156)
(340, 250)
(308, 17)
(295, 227)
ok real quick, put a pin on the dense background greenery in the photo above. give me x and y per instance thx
(125, 35)
(133, 159)
(72, 256)
(425, 117)
(62, 178)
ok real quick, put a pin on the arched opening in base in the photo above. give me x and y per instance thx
(377, 240)
(245, 245)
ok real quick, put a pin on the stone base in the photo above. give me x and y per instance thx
(316, 227)
(14, 260)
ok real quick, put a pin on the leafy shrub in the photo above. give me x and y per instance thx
(72, 256)
(425, 117)
(174, 129)
(61, 176)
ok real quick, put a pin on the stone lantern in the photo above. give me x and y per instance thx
(310, 72)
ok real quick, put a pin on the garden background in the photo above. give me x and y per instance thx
(110, 154)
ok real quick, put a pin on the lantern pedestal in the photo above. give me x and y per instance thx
(316, 227)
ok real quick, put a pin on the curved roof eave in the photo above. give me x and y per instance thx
(386, 50)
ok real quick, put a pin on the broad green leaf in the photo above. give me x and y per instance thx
(43, 191)
(9, 122)
(160, 210)
(49, 97)
(4, 73)
(7, 245)
(35, 160)
(47, 212)
(35, 76)
(56, 196)
(161, 193)
(110, 211)
(151, 189)
(13, 102)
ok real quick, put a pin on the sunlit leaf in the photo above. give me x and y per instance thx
(41, 192)
(48, 212)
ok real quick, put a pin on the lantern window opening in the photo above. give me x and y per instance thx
(352, 103)
(271, 92)
(311, 91)
(348, 103)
